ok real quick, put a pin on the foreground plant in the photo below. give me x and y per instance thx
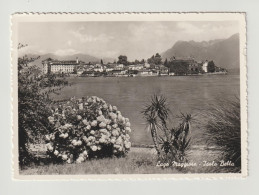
(86, 128)
(223, 129)
(34, 89)
(170, 143)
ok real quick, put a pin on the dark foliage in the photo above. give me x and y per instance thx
(33, 100)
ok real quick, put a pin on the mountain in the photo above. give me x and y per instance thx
(224, 52)
(81, 57)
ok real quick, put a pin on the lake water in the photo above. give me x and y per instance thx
(186, 94)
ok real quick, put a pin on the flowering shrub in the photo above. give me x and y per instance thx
(85, 128)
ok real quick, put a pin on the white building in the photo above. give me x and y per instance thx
(136, 67)
(205, 66)
(55, 66)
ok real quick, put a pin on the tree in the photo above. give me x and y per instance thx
(155, 59)
(136, 62)
(211, 66)
(101, 62)
(75, 70)
(179, 68)
(166, 63)
(142, 61)
(34, 103)
(123, 60)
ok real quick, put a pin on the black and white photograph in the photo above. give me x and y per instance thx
(119, 95)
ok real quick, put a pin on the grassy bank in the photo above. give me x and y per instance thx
(138, 161)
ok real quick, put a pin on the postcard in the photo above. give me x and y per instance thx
(129, 96)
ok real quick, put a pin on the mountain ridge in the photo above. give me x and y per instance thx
(224, 52)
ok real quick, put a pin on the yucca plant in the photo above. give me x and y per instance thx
(170, 143)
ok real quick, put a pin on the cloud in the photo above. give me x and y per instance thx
(186, 27)
(63, 52)
(69, 42)
(85, 37)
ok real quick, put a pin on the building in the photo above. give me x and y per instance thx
(56, 66)
(146, 73)
(205, 66)
(163, 70)
(136, 67)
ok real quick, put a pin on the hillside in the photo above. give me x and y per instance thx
(224, 52)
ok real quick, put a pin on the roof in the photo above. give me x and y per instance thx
(72, 62)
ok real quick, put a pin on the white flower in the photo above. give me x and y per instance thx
(127, 136)
(114, 126)
(127, 124)
(79, 142)
(67, 125)
(127, 120)
(114, 108)
(113, 141)
(92, 132)
(128, 145)
(85, 122)
(81, 107)
(85, 139)
(128, 129)
(94, 123)
(64, 157)
(61, 135)
(100, 112)
(49, 146)
(69, 161)
(85, 153)
(117, 146)
(110, 108)
(79, 117)
(112, 115)
(123, 120)
(115, 132)
(47, 137)
(102, 125)
(105, 106)
(80, 159)
(100, 118)
(119, 117)
(51, 119)
(109, 127)
(91, 137)
(74, 142)
(66, 135)
(99, 148)
(107, 121)
(56, 152)
(102, 140)
(103, 131)
(94, 148)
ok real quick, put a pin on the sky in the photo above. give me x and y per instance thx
(136, 40)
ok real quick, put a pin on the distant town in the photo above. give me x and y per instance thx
(153, 66)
